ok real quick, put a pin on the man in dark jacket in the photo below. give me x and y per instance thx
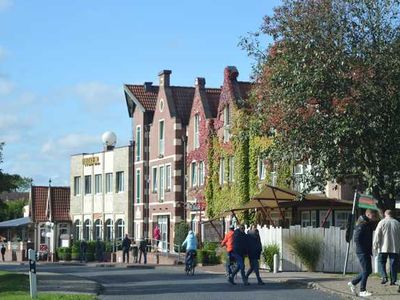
(363, 241)
(83, 251)
(126, 245)
(238, 253)
(143, 251)
(254, 252)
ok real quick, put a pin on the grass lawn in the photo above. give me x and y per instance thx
(15, 286)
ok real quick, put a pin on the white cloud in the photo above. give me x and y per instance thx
(6, 86)
(5, 4)
(98, 95)
(70, 144)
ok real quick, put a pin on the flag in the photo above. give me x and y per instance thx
(367, 202)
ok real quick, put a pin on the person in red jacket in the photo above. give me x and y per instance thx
(228, 242)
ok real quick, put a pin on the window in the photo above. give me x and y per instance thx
(322, 216)
(231, 167)
(98, 229)
(309, 218)
(138, 149)
(161, 138)
(341, 217)
(227, 122)
(109, 185)
(201, 173)
(298, 178)
(43, 231)
(274, 175)
(261, 169)
(194, 174)
(86, 230)
(98, 188)
(196, 131)
(88, 184)
(109, 230)
(154, 180)
(138, 184)
(168, 177)
(221, 171)
(120, 229)
(77, 185)
(120, 181)
(162, 184)
(77, 230)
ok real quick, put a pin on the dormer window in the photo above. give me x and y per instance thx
(227, 123)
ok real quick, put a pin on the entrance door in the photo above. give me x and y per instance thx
(163, 225)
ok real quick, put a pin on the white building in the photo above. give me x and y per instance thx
(102, 192)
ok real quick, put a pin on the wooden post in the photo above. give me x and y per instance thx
(215, 228)
(326, 217)
(280, 210)
(266, 213)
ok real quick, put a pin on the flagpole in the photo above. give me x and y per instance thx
(351, 232)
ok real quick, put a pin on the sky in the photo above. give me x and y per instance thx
(63, 65)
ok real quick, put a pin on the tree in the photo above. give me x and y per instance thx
(329, 88)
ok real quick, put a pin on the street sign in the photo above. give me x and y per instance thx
(367, 202)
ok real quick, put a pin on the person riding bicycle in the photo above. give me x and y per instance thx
(191, 246)
(228, 242)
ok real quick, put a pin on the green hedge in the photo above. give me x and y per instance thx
(208, 257)
(64, 253)
(307, 248)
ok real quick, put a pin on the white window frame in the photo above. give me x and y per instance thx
(98, 183)
(161, 182)
(261, 169)
(168, 177)
(138, 145)
(154, 179)
(119, 182)
(161, 138)
(109, 183)
(88, 184)
(196, 131)
(77, 185)
(201, 173)
(193, 174)
(138, 192)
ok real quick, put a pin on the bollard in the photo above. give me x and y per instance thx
(32, 273)
(376, 263)
(276, 263)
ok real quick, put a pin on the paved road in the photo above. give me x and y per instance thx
(171, 283)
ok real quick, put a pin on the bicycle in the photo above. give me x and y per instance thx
(190, 263)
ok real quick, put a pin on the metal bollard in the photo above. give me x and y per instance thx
(276, 263)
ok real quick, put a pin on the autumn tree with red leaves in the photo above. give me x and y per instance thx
(329, 87)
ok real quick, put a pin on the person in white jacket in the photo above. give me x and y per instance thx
(387, 244)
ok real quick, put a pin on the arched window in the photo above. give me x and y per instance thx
(98, 230)
(77, 230)
(120, 229)
(109, 230)
(86, 230)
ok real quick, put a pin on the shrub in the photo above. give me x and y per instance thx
(307, 248)
(268, 255)
(181, 231)
(64, 253)
(211, 246)
(108, 246)
(208, 257)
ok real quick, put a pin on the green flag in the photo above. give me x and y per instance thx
(367, 202)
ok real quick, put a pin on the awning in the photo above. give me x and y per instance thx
(16, 222)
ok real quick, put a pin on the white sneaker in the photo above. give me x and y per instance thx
(365, 294)
(353, 288)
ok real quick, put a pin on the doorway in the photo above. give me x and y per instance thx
(163, 225)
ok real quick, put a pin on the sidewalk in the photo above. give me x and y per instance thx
(326, 282)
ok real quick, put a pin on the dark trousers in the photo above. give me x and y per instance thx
(144, 256)
(83, 256)
(125, 252)
(240, 267)
(189, 257)
(2, 256)
(254, 266)
(394, 261)
(228, 263)
(366, 266)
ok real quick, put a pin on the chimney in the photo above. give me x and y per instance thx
(148, 86)
(164, 77)
(231, 73)
(200, 82)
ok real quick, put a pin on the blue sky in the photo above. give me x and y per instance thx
(63, 64)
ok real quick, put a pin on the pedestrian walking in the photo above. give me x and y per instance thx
(83, 251)
(387, 244)
(99, 250)
(126, 245)
(254, 253)
(143, 251)
(156, 236)
(363, 239)
(239, 252)
(3, 251)
(228, 243)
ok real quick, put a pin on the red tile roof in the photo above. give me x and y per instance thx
(147, 99)
(60, 201)
(213, 100)
(183, 98)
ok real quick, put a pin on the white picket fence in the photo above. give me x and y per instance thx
(333, 250)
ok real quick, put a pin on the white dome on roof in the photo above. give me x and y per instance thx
(109, 138)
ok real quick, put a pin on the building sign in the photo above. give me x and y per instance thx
(91, 161)
(367, 202)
